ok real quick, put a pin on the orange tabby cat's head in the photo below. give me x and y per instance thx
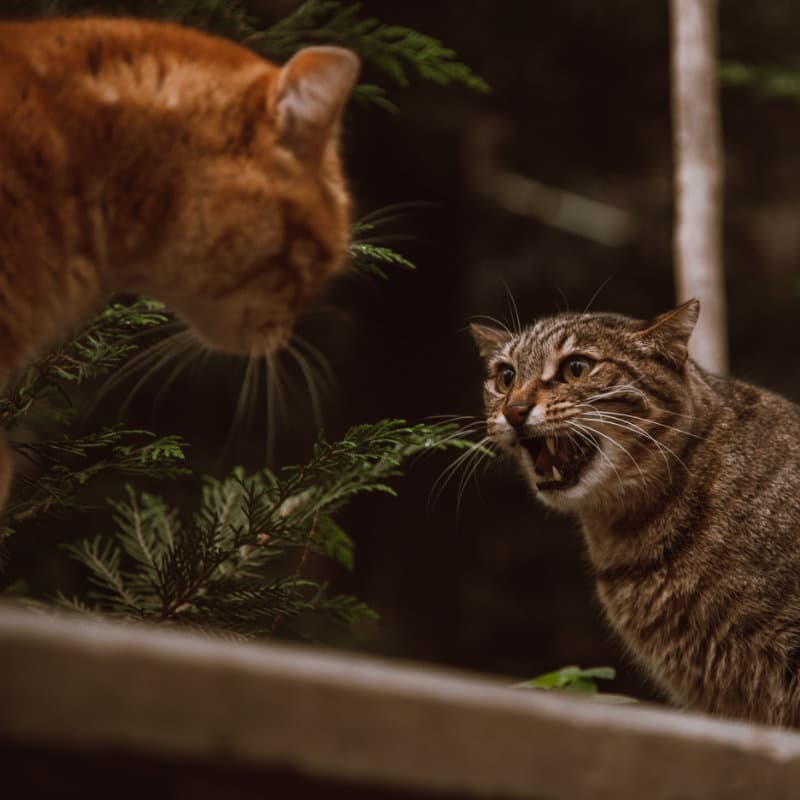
(247, 202)
(160, 160)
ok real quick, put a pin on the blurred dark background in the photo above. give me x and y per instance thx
(557, 185)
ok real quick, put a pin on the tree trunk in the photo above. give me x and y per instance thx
(698, 176)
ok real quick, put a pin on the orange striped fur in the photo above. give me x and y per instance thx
(149, 158)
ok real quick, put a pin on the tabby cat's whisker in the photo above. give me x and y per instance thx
(632, 386)
(455, 418)
(596, 294)
(495, 321)
(673, 413)
(613, 418)
(468, 475)
(643, 420)
(613, 441)
(460, 433)
(587, 437)
(513, 309)
(617, 391)
(448, 472)
(564, 298)
(629, 426)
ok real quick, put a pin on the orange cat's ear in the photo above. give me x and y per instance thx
(669, 333)
(488, 339)
(310, 94)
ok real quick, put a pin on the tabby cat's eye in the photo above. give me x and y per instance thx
(505, 378)
(575, 368)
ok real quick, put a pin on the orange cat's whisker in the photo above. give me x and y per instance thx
(174, 347)
(308, 376)
(246, 401)
(150, 359)
(317, 358)
(393, 212)
(184, 359)
(276, 403)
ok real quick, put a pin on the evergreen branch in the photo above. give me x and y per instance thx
(303, 558)
(76, 604)
(371, 94)
(368, 258)
(128, 452)
(343, 608)
(96, 349)
(102, 558)
(219, 569)
(393, 49)
(224, 17)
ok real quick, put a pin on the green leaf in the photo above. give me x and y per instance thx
(571, 679)
(338, 545)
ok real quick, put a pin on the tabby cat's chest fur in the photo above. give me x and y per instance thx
(686, 488)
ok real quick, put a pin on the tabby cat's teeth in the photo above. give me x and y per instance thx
(551, 446)
(556, 473)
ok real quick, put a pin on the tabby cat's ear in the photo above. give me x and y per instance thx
(669, 333)
(488, 339)
(310, 94)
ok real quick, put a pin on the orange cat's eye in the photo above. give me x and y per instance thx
(505, 378)
(575, 368)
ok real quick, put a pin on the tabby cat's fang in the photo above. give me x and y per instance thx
(558, 462)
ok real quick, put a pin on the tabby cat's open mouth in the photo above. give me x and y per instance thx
(558, 461)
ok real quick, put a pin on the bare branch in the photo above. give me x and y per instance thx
(698, 176)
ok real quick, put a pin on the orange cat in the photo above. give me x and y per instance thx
(145, 157)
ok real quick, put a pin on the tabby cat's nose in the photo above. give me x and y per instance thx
(517, 413)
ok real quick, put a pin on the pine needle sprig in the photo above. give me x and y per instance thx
(393, 49)
(370, 258)
(224, 17)
(95, 350)
(67, 465)
(226, 566)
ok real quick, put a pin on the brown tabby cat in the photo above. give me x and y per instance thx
(686, 486)
(145, 157)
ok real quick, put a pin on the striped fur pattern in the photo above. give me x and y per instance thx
(150, 158)
(685, 485)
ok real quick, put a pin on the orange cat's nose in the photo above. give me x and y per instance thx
(516, 413)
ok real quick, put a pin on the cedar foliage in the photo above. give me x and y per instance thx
(238, 561)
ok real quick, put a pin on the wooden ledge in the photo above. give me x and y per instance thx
(82, 686)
